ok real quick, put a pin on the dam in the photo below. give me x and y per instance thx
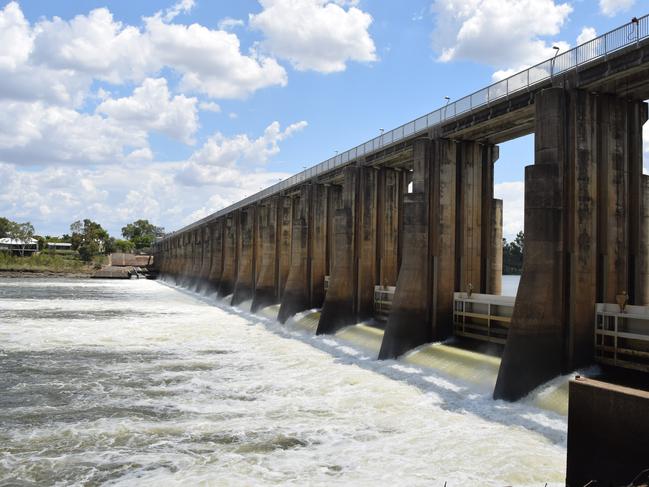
(397, 243)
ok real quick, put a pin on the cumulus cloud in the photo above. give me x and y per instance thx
(513, 195)
(151, 107)
(229, 23)
(209, 106)
(586, 34)
(500, 33)
(71, 53)
(315, 35)
(614, 7)
(221, 158)
(37, 134)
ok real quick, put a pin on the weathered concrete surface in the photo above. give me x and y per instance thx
(266, 291)
(495, 263)
(130, 260)
(390, 189)
(296, 292)
(578, 242)
(216, 264)
(339, 308)
(642, 295)
(245, 284)
(284, 236)
(608, 433)
(408, 323)
(230, 254)
(206, 259)
(318, 227)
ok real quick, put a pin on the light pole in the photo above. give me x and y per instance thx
(556, 53)
(448, 99)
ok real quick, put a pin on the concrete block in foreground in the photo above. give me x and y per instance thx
(608, 433)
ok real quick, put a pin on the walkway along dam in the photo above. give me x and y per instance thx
(405, 226)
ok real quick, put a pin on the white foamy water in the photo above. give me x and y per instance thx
(138, 383)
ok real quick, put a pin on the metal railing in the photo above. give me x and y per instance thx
(622, 336)
(484, 317)
(597, 48)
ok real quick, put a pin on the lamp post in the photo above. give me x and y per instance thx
(556, 53)
(448, 99)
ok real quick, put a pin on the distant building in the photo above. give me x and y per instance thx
(19, 247)
(59, 246)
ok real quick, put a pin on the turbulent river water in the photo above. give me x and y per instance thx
(139, 383)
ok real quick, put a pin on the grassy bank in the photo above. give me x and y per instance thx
(45, 262)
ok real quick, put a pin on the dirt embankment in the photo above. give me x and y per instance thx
(22, 274)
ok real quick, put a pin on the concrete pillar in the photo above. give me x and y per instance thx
(577, 237)
(390, 195)
(245, 284)
(206, 258)
(216, 261)
(296, 292)
(334, 203)
(318, 226)
(409, 322)
(422, 307)
(366, 242)
(229, 272)
(642, 289)
(339, 309)
(266, 292)
(285, 223)
(495, 271)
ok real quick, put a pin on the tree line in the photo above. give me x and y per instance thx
(87, 237)
(513, 255)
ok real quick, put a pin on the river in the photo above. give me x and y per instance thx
(139, 383)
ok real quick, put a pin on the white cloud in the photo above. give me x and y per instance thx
(500, 33)
(230, 23)
(221, 158)
(513, 195)
(15, 37)
(36, 134)
(151, 107)
(181, 7)
(69, 54)
(315, 34)
(210, 61)
(614, 7)
(586, 34)
(209, 106)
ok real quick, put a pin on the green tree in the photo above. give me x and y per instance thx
(125, 246)
(88, 238)
(5, 226)
(142, 233)
(23, 232)
(513, 254)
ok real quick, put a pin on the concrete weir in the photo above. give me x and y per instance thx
(404, 221)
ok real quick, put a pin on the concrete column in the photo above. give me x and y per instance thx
(339, 309)
(266, 292)
(284, 224)
(390, 194)
(216, 263)
(318, 226)
(471, 203)
(245, 284)
(584, 137)
(642, 272)
(206, 258)
(636, 117)
(422, 307)
(228, 274)
(366, 242)
(296, 292)
(334, 203)
(495, 271)
(409, 322)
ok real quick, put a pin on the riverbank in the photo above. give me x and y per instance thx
(45, 274)
(47, 265)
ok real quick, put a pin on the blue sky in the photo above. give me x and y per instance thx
(117, 110)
